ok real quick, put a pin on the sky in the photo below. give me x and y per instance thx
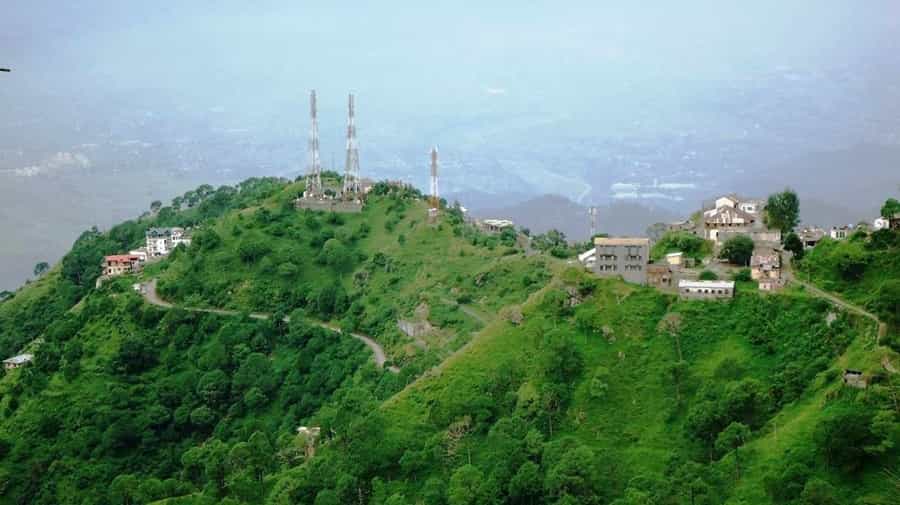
(411, 55)
(114, 103)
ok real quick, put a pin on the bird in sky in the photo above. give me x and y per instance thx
(5, 70)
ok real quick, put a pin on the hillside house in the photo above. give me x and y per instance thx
(675, 259)
(895, 221)
(659, 275)
(765, 265)
(17, 361)
(880, 223)
(625, 257)
(141, 254)
(120, 264)
(726, 218)
(161, 241)
(840, 232)
(494, 225)
(752, 206)
(730, 200)
(588, 257)
(811, 236)
(854, 379)
(705, 290)
(686, 226)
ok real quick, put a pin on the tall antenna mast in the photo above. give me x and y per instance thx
(435, 196)
(351, 170)
(593, 213)
(314, 171)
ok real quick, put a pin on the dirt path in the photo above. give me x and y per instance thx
(821, 293)
(148, 290)
(881, 327)
(469, 311)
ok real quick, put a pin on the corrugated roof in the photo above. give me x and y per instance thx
(601, 241)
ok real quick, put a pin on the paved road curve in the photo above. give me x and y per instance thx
(148, 289)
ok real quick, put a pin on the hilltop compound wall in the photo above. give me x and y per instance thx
(329, 205)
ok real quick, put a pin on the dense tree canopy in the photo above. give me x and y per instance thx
(737, 250)
(783, 211)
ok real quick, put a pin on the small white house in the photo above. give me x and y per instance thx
(751, 205)
(161, 241)
(727, 201)
(587, 258)
(140, 253)
(880, 223)
(495, 225)
(840, 232)
(17, 361)
(675, 258)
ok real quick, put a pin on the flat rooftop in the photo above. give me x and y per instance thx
(706, 284)
(640, 241)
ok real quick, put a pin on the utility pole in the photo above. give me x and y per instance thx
(314, 171)
(351, 168)
(592, 211)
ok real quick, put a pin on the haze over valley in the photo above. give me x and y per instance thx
(104, 113)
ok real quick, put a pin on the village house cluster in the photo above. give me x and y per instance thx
(722, 219)
(159, 242)
(812, 235)
(726, 217)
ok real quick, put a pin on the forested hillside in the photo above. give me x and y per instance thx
(534, 382)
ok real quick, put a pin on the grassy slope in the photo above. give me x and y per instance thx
(821, 265)
(431, 265)
(638, 423)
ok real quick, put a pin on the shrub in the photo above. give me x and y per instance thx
(708, 275)
(743, 275)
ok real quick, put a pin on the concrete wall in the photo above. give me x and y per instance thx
(327, 205)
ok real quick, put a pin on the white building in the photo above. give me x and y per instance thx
(495, 225)
(17, 361)
(880, 223)
(840, 232)
(141, 254)
(675, 259)
(705, 290)
(752, 206)
(587, 258)
(161, 241)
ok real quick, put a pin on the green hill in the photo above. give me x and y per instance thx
(534, 382)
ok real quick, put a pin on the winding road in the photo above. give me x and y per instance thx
(148, 290)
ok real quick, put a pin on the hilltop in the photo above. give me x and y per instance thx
(530, 380)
